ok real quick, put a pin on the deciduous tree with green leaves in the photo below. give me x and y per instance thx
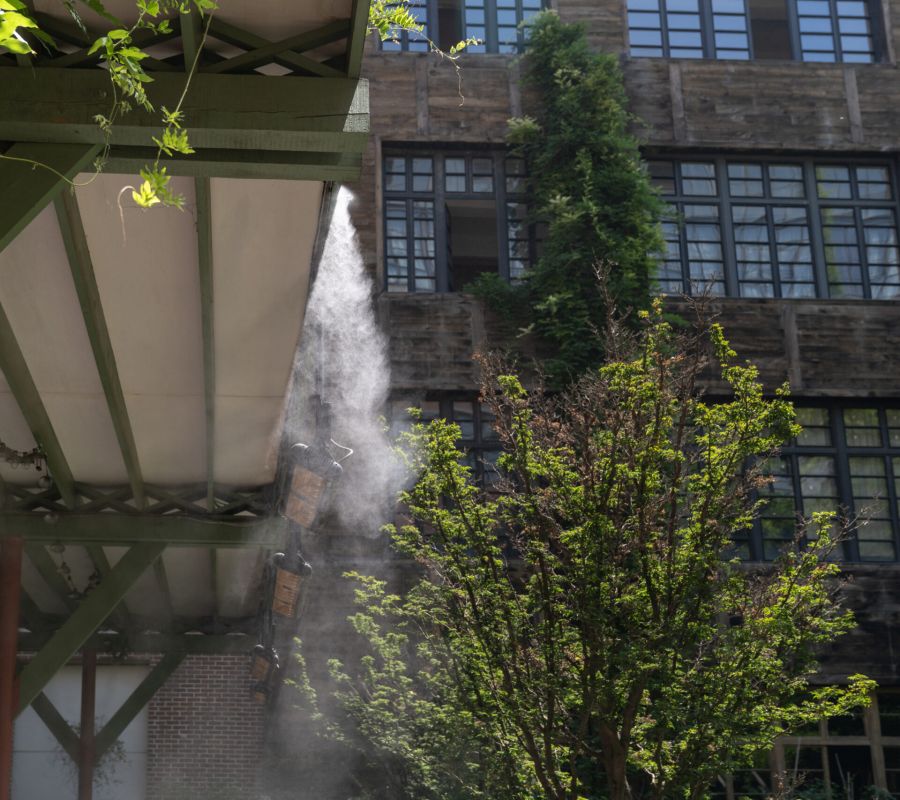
(582, 630)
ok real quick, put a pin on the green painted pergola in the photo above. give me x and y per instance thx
(147, 355)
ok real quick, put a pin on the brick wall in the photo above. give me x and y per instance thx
(205, 734)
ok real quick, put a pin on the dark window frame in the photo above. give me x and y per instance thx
(709, 49)
(501, 198)
(821, 739)
(841, 452)
(488, 31)
(811, 202)
(476, 445)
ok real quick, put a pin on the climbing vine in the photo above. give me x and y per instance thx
(591, 194)
(129, 82)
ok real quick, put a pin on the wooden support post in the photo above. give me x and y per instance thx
(86, 744)
(94, 609)
(10, 587)
(136, 701)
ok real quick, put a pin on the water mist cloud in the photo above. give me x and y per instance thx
(343, 355)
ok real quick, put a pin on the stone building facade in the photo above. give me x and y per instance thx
(773, 129)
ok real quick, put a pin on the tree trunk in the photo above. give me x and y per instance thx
(614, 762)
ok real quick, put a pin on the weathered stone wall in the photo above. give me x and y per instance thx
(836, 348)
(821, 347)
(779, 105)
(873, 647)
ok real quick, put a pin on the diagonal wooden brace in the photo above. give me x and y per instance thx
(89, 616)
(136, 701)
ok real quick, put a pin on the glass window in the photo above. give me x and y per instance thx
(500, 26)
(410, 40)
(842, 243)
(834, 30)
(857, 470)
(478, 438)
(826, 30)
(444, 223)
(838, 757)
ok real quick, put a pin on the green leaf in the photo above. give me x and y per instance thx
(132, 52)
(15, 45)
(98, 43)
(150, 8)
(145, 197)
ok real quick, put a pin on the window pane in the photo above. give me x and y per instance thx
(889, 713)
(698, 179)
(745, 180)
(778, 518)
(643, 19)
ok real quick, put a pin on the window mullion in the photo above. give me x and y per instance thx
(794, 29)
(863, 254)
(664, 28)
(889, 476)
(441, 242)
(490, 26)
(729, 256)
(432, 29)
(860, 232)
(774, 261)
(749, 30)
(707, 31)
(501, 215)
(794, 459)
(685, 254)
(842, 476)
(774, 264)
(820, 265)
(410, 226)
(835, 31)
(520, 32)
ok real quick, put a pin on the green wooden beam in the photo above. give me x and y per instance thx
(162, 579)
(214, 580)
(136, 701)
(28, 188)
(123, 529)
(101, 564)
(231, 34)
(332, 32)
(202, 644)
(84, 58)
(43, 562)
(359, 20)
(61, 30)
(94, 609)
(13, 365)
(33, 615)
(207, 323)
(82, 268)
(190, 27)
(243, 112)
(57, 725)
(219, 163)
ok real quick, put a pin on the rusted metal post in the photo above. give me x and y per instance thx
(10, 588)
(86, 751)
